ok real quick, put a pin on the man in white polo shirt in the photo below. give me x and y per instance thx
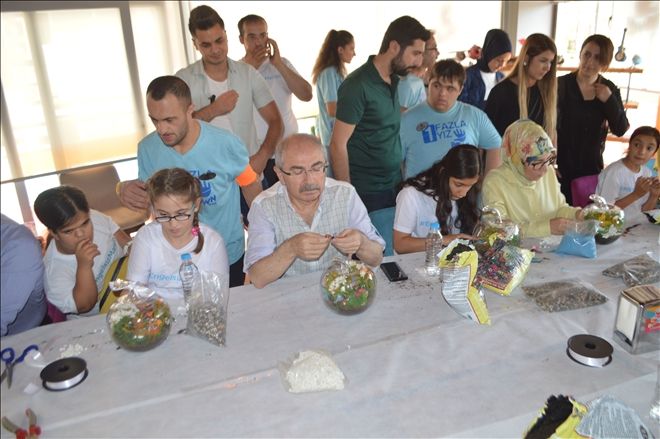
(226, 92)
(284, 81)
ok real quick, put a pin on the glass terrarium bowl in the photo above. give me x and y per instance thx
(610, 219)
(348, 287)
(492, 223)
(139, 323)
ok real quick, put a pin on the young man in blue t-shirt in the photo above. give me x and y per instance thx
(215, 156)
(431, 128)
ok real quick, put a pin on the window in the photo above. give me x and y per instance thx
(73, 83)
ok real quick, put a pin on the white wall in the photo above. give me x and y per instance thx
(533, 17)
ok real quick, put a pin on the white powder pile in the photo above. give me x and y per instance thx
(313, 371)
(71, 350)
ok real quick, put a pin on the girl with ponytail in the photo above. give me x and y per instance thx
(176, 199)
(328, 73)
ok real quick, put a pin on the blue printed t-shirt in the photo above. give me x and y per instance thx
(327, 85)
(374, 148)
(216, 151)
(411, 91)
(427, 135)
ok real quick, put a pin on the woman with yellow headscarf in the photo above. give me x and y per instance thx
(523, 188)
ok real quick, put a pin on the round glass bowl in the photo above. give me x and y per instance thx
(348, 287)
(137, 323)
(610, 221)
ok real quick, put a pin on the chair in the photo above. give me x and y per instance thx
(581, 188)
(383, 221)
(55, 314)
(98, 184)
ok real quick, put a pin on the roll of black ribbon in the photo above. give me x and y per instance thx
(589, 350)
(63, 374)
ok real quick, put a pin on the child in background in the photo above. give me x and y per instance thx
(175, 197)
(446, 193)
(85, 246)
(329, 71)
(628, 182)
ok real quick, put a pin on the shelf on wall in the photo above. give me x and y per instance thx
(610, 70)
(613, 138)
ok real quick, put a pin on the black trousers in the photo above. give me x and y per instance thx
(378, 200)
(236, 275)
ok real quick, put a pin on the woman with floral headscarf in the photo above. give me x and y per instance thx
(523, 188)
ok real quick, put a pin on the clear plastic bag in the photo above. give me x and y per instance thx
(564, 295)
(458, 267)
(640, 270)
(579, 240)
(311, 371)
(492, 226)
(653, 216)
(207, 308)
(503, 266)
(610, 219)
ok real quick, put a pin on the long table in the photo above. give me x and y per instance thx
(414, 367)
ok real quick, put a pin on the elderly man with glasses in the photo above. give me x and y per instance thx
(305, 220)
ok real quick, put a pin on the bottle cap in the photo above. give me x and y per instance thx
(186, 257)
(435, 226)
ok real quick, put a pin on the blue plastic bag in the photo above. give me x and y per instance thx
(579, 240)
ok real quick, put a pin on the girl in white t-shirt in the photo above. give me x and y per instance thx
(176, 200)
(84, 246)
(628, 183)
(446, 193)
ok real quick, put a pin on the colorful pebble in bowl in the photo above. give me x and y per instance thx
(139, 323)
(348, 287)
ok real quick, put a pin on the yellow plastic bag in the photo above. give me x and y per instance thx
(458, 265)
(117, 270)
(554, 422)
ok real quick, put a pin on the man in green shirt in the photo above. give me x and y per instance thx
(365, 148)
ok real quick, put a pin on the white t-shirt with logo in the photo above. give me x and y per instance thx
(60, 275)
(415, 212)
(155, 262)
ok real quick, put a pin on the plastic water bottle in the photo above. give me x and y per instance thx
(433, 247)
(654, 413)
(188, 272)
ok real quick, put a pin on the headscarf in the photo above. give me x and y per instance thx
(496, 43)
(525, 141)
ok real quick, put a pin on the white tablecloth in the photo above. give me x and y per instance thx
(413, 366)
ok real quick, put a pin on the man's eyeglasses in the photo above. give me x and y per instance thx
(540, 164)
(297, 171)
(177, 217)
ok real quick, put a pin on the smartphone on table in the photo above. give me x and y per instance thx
(393, 271)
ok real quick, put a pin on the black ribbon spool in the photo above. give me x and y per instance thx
(589, 350)
(64, 374)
